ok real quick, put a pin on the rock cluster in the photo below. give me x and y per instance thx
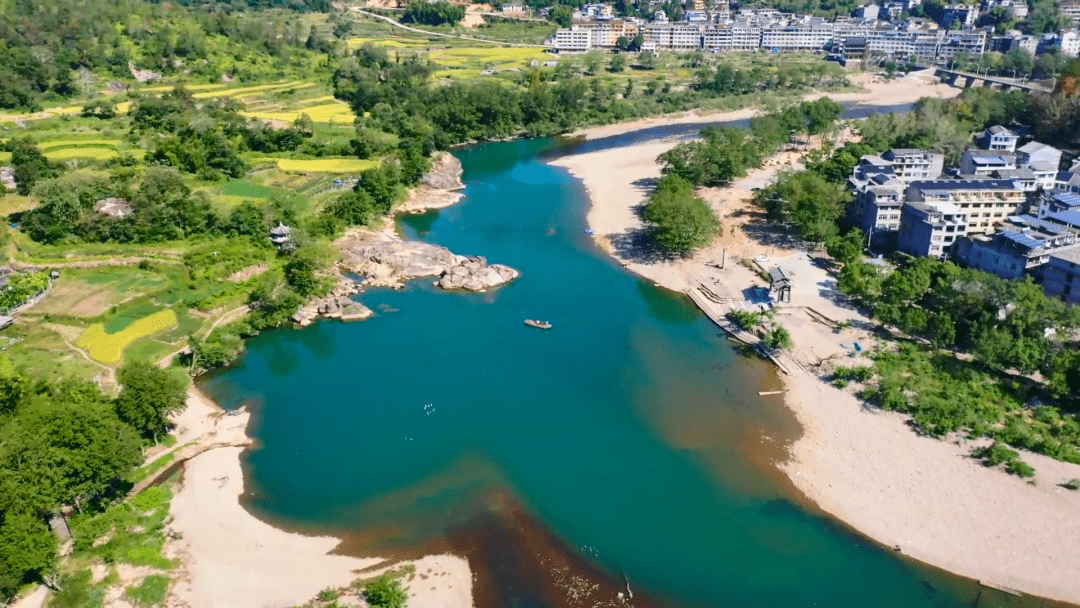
(474, 274)
(445, 173)
(391, 263)
(338, 305)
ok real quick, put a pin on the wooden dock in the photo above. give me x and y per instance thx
(710, 305)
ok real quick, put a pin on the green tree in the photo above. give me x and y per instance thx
(149, 396)
(846, 248)
(563, 15)
(301, 269)
(779, 338)
(29, 164)
(681, 222)
(27, 550)
(386, 592)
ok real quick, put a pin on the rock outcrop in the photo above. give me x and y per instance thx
(391, 263)
(338, 305)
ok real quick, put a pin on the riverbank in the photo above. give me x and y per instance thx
(231, 558)
(877, 92)
(866, 468)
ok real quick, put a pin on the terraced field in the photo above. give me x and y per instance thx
(337, 164)
(323, 113)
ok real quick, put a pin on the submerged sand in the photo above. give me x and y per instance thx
(865, 467)
(230, 558)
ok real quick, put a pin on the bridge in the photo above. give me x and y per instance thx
(966, 80)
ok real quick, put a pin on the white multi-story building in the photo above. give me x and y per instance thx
(573, 39)
(1069, 41)
(674, 36)
(985, 202)
(1071, 9)
(970, 42)
(803, 35)
(961, 15)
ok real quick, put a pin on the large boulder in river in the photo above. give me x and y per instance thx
(474, 274)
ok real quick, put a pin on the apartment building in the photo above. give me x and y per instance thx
(983, 202)
(930, 229)
(1060, 277)
(674, 36)
(1017, 9)
(1071, 9)
(1069, 42)
(734, 36)
(574, 39)
(955, 42)
(797, 35)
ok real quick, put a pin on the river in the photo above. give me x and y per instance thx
(625, 447)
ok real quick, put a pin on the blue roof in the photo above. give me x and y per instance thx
(1023, 239)
(1030, 220)
(1069, 217)
(1069, 200)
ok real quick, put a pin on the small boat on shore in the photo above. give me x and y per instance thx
(537, 324)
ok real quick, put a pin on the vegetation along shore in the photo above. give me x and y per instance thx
(180, 177)
(901, 436)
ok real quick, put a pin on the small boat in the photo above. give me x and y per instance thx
(538, 324)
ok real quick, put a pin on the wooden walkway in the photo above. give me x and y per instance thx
(712, 306)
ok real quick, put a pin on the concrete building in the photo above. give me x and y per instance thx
(1067, 181)
(960, 15)
(984, 202)
(1023, 245)
(573, 39)
(674, 36)
(867, 11)
(1069, 41)
(1060, 275)
(997, 139)
(930, 230)
(797, 35)
(955, 42)
(1071, 9)
(1056, 202)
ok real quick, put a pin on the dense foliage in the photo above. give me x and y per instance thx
(52, 49)
(65, 444)
(20, 288)
(433, 13)
(681, 222)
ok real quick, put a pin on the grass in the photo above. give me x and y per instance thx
(326, 165)
(246, 189)
(488, 57)
(152, 467)
(91, 292)
(132, 312)
(109, 348)
(151, 592)
(89, 152)
(71, 142)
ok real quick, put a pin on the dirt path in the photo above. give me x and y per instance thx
(427, 33)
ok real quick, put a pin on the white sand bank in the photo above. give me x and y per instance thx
(868, 469)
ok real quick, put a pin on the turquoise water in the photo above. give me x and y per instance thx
(632, 430)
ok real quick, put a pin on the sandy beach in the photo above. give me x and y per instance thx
(866, 468)
(231, 558)
(877, 92)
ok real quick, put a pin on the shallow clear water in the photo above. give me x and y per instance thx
(632, 430)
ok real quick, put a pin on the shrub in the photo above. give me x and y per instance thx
(1072, 484)
(150, 499)
(779, 338)
(328, 595)
(745, 319)
(1020, 468)
(385, 592)
(858, 373)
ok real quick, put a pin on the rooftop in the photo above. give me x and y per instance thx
(1069, 254)
(1069, 217)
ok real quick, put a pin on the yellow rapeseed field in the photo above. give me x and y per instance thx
(91, 152)
(109, 348)
(324, 113)
(265, 88)
(326, 165)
